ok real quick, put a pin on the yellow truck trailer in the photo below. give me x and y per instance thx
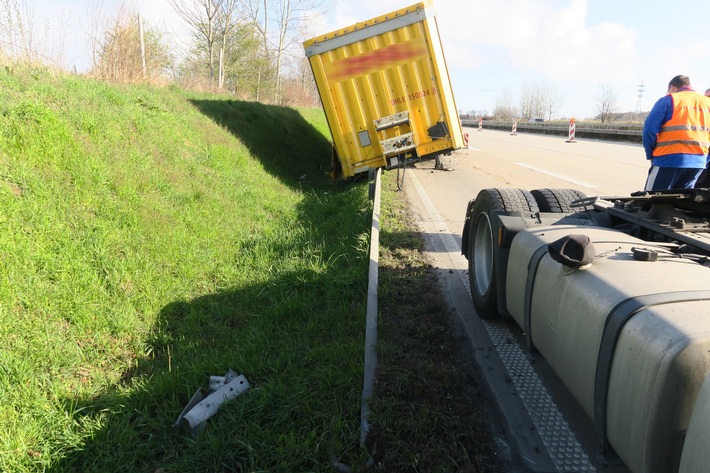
(386, 91)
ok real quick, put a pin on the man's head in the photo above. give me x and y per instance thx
(707, 93)
(677, 83)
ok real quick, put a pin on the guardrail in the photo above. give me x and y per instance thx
(618, 132)
(368, 385)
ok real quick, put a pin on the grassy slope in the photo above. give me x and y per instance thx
(152, 238)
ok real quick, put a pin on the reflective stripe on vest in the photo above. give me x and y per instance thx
(687, 130)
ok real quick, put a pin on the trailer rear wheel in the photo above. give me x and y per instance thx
(557, 200)
(484, 253)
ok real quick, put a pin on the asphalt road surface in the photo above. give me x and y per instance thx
(529, 161)
(545, 430)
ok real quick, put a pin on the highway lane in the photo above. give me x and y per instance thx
(529, 161)
(544, 428)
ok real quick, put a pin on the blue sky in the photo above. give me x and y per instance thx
(496, 45)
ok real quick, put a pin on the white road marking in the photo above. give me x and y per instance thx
(558, 176)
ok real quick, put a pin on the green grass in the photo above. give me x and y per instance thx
(430, 409)
(152, 238)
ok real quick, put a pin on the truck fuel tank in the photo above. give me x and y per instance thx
(628, 336)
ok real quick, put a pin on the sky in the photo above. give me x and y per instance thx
(494, 47)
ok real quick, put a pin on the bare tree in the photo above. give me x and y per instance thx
(258, 12)
(539, 100)
(530, 101)
(299, 87)
(203, 16)
(119, 54)
(242, 61)
(227, 25)
(504, 106)
(227, 28)
(22, 36)
(239, 46)
(606, 103)
(551, 99)
(286, 16)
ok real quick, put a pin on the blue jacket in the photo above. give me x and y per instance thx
(661, 112)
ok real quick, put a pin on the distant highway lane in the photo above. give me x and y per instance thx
(530, 161)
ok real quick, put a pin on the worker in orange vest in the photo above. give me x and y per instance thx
(676, 137)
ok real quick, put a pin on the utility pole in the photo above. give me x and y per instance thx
(220, 80)
(140, 32)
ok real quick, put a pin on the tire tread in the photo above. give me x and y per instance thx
(557, 200)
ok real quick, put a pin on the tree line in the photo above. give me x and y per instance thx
(247, 48)
(541, 101)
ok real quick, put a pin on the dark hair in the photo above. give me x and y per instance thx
(679, 81)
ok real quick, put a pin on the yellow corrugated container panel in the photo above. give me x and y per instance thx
(378, 69)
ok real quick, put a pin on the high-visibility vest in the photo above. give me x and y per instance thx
(687, 130)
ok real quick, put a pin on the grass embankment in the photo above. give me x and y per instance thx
(151, 238)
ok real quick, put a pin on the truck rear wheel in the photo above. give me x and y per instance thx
(556, 200)
(484, 253)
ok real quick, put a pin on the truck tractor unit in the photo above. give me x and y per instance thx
(614, 293)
